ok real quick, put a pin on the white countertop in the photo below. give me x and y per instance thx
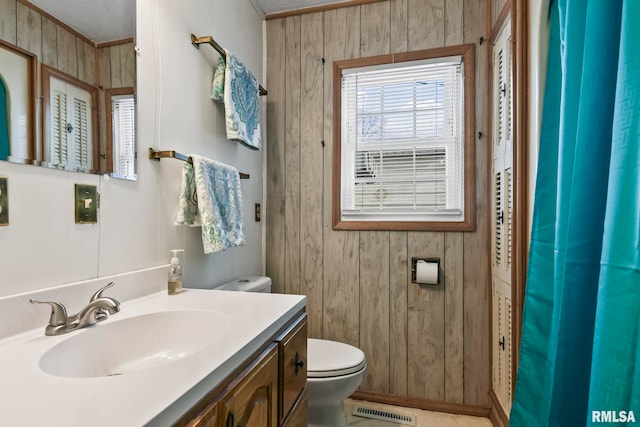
(154, 397)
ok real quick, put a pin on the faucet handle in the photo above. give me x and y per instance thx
(58, 312)
(99, 292)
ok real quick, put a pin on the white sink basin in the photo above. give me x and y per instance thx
(135, 343)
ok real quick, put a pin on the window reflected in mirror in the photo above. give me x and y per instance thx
(121, 134)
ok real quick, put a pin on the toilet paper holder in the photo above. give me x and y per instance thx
(414, 262)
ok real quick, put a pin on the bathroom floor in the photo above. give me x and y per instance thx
(423, 418)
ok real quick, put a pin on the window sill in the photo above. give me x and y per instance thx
(468, 225)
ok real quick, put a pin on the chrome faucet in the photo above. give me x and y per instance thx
(96, 311)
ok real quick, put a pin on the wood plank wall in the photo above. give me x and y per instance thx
(53, 44)
(426, 342)
(117, 64)
(496, 8)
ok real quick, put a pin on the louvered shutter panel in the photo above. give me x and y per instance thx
(501, 226)
(58, 131)
(502, 158)
(81, 135)
(71, 133)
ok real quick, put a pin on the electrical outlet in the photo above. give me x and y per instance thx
(257, 212)
(4, 201)
(86, 204)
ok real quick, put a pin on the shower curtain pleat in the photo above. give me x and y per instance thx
(565, 285)
(615, 373)
(531, 397)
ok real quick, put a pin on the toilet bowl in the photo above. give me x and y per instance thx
(334, 369)
(334, 372)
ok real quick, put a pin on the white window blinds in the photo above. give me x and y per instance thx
(402, 141)
(124, 135)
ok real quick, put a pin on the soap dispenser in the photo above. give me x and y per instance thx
(175, 274)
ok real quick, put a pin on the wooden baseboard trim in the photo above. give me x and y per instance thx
(429, 405)
(498, 416)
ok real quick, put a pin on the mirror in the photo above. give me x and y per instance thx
(84, 82)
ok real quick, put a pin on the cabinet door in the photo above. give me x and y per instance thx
(253, 400)
(207, 418)
(294, 365)
(298, 415)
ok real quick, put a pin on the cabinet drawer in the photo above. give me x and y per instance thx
(293, 355)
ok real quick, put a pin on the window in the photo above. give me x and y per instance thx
(121, 133)
(403, 141)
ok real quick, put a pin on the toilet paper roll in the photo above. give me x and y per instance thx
(427, 272)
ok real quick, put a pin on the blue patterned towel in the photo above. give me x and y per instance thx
(239, 90)
(217, 87)
(211, 197)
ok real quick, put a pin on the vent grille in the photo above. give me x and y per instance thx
(391, 417)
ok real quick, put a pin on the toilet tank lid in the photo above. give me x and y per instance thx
(247, 284)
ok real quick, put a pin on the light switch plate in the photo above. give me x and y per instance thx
(86, 204)
(4, 201)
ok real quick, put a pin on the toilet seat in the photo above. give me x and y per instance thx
(332, 359)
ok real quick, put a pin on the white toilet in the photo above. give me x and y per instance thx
(334, 369)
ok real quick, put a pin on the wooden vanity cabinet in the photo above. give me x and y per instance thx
(253, 398)
(293, 371)
(270, 391)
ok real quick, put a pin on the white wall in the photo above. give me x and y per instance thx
(538, 46)
(43, 247)
(177, 78)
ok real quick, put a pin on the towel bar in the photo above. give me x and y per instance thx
(171, 154)
(197, 41)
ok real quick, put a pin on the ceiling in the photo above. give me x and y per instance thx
(276, 6)
(108, 20)
(98, 20)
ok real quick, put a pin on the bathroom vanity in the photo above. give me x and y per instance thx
(200, 358)
(269, 392)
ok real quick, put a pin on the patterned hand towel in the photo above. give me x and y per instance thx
(211, 197)
(240, 90)
(217, 88)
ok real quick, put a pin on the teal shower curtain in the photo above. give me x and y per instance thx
(4, 122)
(580, 348)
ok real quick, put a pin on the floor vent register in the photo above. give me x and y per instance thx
(391, 417)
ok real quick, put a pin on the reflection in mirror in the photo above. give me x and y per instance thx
(17, 106)
(82, 42)
(121, 142)
(70, 137)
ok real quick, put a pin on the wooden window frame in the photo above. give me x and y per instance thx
(467, 52)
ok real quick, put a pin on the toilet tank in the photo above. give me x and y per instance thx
(248, 284)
